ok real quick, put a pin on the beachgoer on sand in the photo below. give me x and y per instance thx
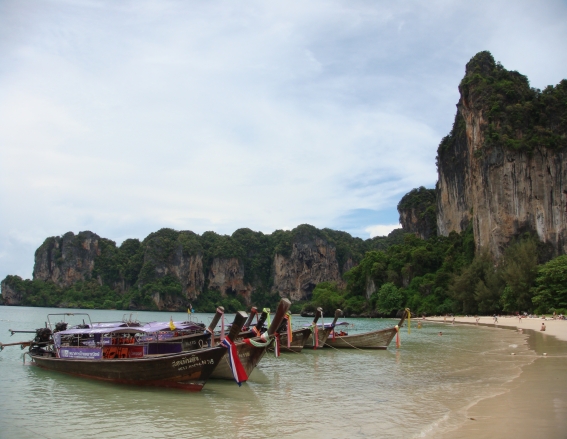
(495, 319)
(542, 327)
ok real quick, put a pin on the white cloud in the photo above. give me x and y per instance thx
(126, 117)
(381, 229)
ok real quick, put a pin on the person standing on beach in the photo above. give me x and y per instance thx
(495, 319)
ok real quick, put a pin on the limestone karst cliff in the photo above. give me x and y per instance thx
(67, 259)
(503, 167)
(170, 269)
(418, 212)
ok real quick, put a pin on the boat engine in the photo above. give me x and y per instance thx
(42, 338)
(61, 326)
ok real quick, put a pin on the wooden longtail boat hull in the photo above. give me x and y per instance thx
(299, 338)
(379, 339)
(369, 340)
(249, 356)
(322, 335)
(186, 370)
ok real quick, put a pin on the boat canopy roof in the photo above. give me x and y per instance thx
(164, 326)
(98, 330)
(124, 328)
(329, 325)
(113, 325)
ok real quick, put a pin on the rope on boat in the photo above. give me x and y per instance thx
(354, 347)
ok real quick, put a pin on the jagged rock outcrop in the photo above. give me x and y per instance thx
(67, 259)
(503, 168)
(311, 261)
(11, 295)
(164, 261)
(227, 276)
(418, 212)
(170, 269)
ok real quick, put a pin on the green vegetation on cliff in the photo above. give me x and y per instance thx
(519, 117)
(154, 273)
(422, 203)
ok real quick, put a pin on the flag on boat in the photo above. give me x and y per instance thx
(171, 325)
(238, 370)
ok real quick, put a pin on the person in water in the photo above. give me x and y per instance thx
(440, 333)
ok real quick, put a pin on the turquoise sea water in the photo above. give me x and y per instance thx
(419, 390)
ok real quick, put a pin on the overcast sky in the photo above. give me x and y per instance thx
(123, 117)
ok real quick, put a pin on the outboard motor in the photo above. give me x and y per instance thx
(61, 326)
(42, 337)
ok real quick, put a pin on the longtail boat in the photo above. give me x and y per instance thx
(379, 339)
(112, 354)
(191, 335)
(322, 330)
(251, 349)
(299, 337)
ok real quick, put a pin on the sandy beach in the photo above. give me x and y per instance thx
(534, 404)
(557, 328)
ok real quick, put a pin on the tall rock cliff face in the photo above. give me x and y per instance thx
(11, 294)
(418, 212)
(170, 269)
(503, 168)
(227, 276)
(68, 259)
(311, 261)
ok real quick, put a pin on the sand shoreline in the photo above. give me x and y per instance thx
(533, 405)
(557, 328)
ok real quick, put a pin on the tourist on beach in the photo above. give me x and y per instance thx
(477, 319)
(495, 319)
(542, 326)
(453, 322)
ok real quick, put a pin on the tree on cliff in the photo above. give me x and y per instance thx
(551, 290)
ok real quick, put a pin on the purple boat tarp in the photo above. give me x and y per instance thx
(328, 325)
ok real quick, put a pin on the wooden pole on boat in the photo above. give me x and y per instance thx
(237, 324)
(22, 344)
(216, 318)
(261, 321)
(253, 312)
(338, 314)
(318, 314)
(280, 314)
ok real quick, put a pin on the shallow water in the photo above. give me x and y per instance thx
(419, 390)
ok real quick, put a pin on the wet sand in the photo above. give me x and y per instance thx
(534, 405)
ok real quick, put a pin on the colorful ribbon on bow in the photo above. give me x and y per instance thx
(238, 371)
(289, 330)
(397, 336)
(315, 335)
(266, 340)
(267, 311)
